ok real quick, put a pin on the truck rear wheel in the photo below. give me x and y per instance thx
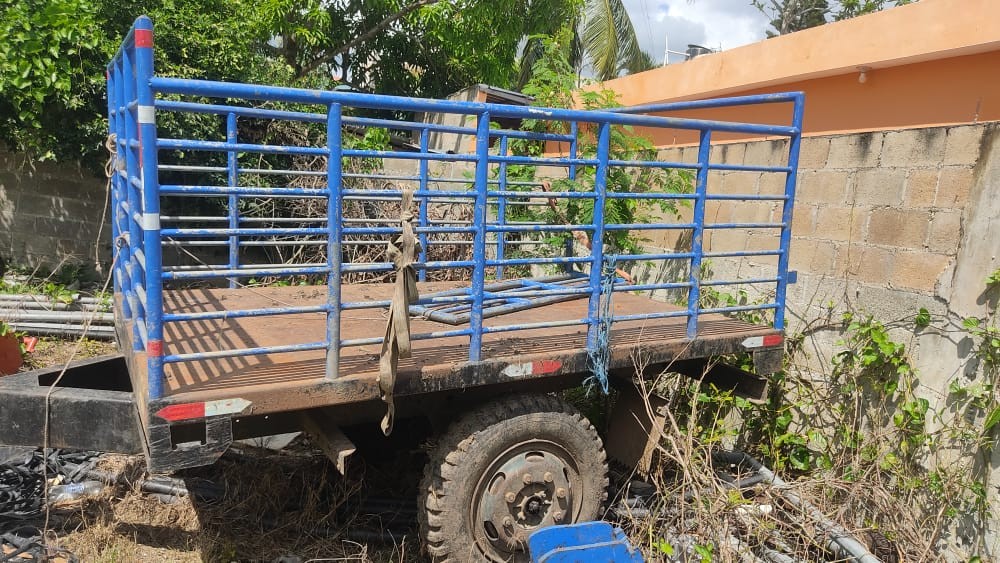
(506, 469)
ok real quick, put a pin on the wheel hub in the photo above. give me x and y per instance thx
(523, 492)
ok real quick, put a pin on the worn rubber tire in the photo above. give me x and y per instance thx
(473, 444)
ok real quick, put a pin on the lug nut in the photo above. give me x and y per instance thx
(560, 493)
(547, 477)
(507, 522)
(510, 497)
(528, 479)
(557, 516)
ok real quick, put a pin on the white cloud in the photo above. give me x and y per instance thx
(712, 23)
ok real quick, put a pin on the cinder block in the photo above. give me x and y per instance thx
(954, 186)
(848, 255)
(672, 154)
(840, 223)
(921, 187)
(740, 183)
(812, 256)
(823, 186)
(894, 227)
(813, 152)
(772, 183)
(860, 150)
(719, 211)
(871, 265)
(824, 258)
(728, 153)
(914, 147)
(763, 240)
(945, 232)
(800, 253)
(752, 212)
(767, 153)
(715, 182)
(803, 220)
(49, 226)
(729, 240)
(879, 186)
(918, 270)
(962, 144)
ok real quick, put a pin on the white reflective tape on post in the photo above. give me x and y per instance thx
(150, 221)
(146, 115)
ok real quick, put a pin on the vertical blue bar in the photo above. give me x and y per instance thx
(128, 131)
(698, 232)
(786, 213)
(232, 178)
(574, 130)
(597, 238)
(422, 217)
(114, 183)
(479, 244)
(502, 207)
(334, 224)
(150, 205)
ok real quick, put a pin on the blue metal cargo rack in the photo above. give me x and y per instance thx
(137, 98)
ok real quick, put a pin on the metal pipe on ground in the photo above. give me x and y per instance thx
(40, 298)
(50, 329)
(57, 316)
(53, 306)
(840, 540)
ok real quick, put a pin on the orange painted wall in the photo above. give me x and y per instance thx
(940, 92)
(933, 62)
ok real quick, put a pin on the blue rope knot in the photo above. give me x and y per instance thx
(599, 356)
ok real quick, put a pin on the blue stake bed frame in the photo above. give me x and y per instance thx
(213, 354)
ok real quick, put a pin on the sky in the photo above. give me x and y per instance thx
(710, 23)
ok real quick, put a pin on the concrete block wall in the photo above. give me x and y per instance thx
(884, 223)
(50, 213)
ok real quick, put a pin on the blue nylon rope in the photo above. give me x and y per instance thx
(599, 357)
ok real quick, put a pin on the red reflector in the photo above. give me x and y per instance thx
(143, 38)
(185, 411)
(545, 366)
(773, 340)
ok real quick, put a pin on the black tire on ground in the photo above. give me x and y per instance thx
(506, 469)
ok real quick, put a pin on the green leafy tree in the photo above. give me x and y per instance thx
(553, 84)
(788, 16)
(410, 47)
(52, 63)
(44, 57)
(853, 8)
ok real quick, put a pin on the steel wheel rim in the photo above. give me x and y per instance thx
(531, 485)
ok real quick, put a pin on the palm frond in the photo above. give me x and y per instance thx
(608, 38)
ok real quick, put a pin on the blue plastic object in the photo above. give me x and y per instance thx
(582, 543)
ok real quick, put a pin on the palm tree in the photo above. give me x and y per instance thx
(603, 39)
(608, 40)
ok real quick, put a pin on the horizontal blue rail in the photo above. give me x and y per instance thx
(499, 219)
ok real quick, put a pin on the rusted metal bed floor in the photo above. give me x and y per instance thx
(211, 377)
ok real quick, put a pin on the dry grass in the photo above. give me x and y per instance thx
(51, 351)
(274, 506)
(693, 509)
